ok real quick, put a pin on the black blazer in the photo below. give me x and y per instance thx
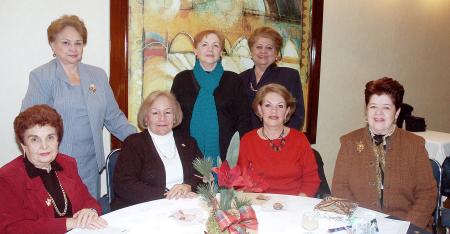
(285, 76)
(233, 111)
(140, 175)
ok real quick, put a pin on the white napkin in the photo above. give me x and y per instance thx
(388, 226)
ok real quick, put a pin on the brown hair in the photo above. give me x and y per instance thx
(200, 35)
(64, 21)
(40, 115)
(266, 32)
(278, 89)
(148, 102)
(387, 86)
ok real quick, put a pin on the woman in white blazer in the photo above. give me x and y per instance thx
(82, 96)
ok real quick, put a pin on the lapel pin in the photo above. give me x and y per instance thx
(92, 88)
(183, 145)
(359, 146)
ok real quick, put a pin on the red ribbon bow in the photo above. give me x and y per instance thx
(237, 225)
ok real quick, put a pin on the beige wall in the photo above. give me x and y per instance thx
(408, 40)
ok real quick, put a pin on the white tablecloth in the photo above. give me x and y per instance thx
(437, 144)
(154, 217)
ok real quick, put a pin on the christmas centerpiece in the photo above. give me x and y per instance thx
(230, 213)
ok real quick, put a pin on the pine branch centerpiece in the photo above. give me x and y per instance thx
(229, 214)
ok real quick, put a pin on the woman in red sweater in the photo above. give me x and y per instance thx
(281, 155)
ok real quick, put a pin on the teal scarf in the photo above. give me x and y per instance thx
(204, 126)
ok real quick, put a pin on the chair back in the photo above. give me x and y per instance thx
(324, 189)
(437, 173)
(111, 162)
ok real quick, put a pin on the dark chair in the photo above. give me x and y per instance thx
(324, 189)
(437, 173)
(445, 219)
(106, 200)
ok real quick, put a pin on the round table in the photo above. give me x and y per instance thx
(158, 217)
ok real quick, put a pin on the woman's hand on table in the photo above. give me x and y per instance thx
(180, 191)
(86, 218)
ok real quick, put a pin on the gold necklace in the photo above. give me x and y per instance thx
(60, 214)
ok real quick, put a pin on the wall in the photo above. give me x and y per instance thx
(365, 40)
(362, 40)
(24, 46)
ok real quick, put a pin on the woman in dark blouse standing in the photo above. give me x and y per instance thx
(265, 44)
(211, 98)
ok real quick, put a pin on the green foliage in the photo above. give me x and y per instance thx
(233, 150)
(207, 192)
(213, 227)
(240, 202)
(226, 197)
(204, 167)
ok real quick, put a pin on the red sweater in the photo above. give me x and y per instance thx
(292, 170)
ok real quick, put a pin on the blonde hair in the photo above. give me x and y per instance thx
(148, 102)
(278, 89)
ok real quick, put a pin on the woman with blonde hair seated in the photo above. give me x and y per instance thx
(41, 191)
(382, 167)
(156, 162)
(281, 155)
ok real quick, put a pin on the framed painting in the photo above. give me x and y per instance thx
(152, 40)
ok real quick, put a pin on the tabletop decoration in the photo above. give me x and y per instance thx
(230, 213)
(336, 208)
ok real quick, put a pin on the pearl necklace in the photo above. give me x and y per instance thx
(60, 214)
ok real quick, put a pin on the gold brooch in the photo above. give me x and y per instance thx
(48, 202)
(92, 88)
(359, 146)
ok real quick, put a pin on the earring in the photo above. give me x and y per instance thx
(54, 55)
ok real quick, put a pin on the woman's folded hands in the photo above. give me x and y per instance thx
(86, 218)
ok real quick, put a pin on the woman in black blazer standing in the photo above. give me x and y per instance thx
(265, 45)
(156, 162)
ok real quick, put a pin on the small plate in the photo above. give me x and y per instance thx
(270, 206)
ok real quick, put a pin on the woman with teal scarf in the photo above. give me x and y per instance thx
(212, 100)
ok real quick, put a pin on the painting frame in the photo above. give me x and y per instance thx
(119, 19)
